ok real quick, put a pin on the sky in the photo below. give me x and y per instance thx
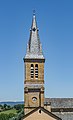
(55, 23)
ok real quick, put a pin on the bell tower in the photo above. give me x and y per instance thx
(34, 71)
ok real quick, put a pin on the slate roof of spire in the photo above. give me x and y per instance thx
(34, 48)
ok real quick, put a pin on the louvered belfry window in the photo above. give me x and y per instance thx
(32, 71)
(36, 71)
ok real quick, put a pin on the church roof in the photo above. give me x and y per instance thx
(62, 107)
(60, 102)
(64, 115)
(34, 48)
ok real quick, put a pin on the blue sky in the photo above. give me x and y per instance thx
(55, 23)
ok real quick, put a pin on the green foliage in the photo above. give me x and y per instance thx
(19, 106)
(9, 107)
(18, 111)
(5, 105)
(1, 106)
(14, 111)
(18, 116)
(4, 117)
(9, 113)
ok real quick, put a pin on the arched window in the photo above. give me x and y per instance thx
(32, 71)
(36, 71)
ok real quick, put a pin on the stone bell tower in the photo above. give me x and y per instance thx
(34, 71)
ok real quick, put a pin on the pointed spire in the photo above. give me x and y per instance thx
(34, 49)
(34, 24)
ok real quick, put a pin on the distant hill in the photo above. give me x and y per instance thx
(12, 103)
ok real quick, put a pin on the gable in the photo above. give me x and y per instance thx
(41, 114)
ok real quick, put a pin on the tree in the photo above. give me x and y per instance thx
(8, 107)
(18, 107)
(1, 106)
(5, 106)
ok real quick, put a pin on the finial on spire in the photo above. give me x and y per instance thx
(33, 12)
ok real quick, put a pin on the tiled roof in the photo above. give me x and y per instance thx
(64, 115)
(62, 107)
(60, 102)
(34, 48)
